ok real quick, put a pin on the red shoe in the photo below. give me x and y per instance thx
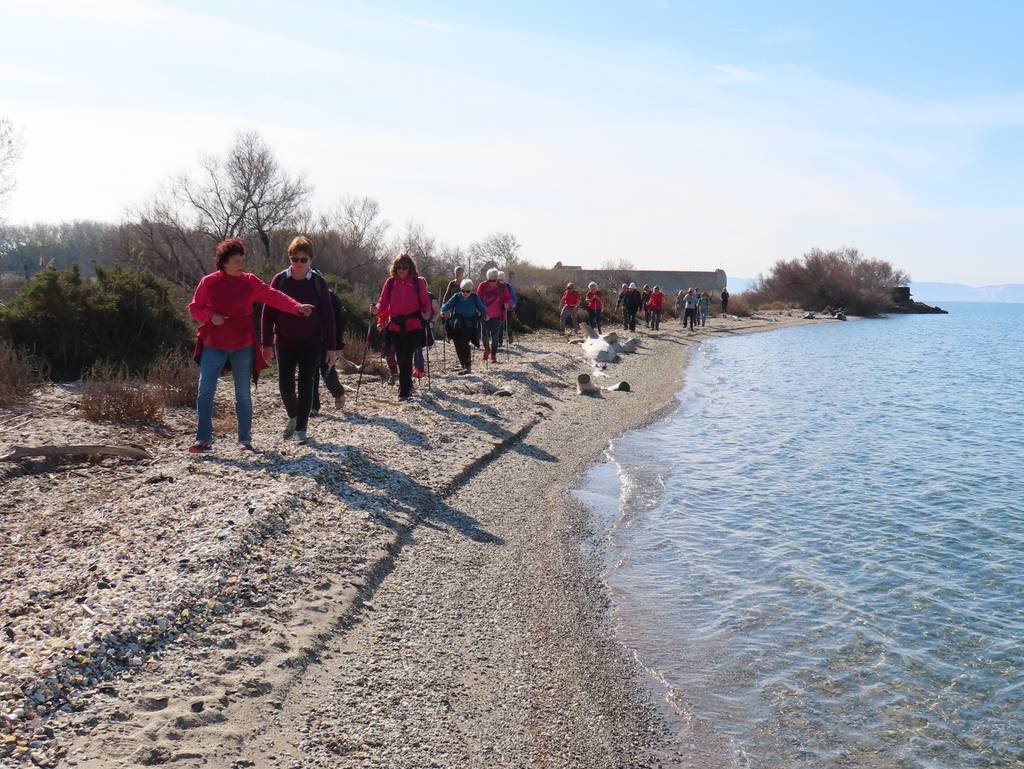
(418, 373)
(485, 355)
(199, 448)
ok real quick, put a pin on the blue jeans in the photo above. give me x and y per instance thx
(210, 367)
(594, 318)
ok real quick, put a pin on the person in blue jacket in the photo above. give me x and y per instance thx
(462, 313)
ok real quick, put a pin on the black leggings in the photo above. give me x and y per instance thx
(690, 315)
(461, 339)
(307, 359)
(405, 343)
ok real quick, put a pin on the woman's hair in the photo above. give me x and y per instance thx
(592, 285)
(301, 245)
(492, 274)
(657, 288)
(404, 259)
(226, 249)
(501, 275)
(466, 284)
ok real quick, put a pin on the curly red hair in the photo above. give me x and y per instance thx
(226, 249)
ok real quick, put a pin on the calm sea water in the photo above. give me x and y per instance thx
(820, 554)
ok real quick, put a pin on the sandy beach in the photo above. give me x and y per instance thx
(407, 590)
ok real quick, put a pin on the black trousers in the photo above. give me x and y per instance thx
(630, 319)
(690, 316)
(330, 376)
(405, 343)
(307, 359)
(460, 338)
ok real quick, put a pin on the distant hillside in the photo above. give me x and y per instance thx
(958, 292)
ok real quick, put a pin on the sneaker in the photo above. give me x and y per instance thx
(465, 370)
(418, 373)
(314, 412)
(289, 429)
(485, 355)
(199, 448)
(301, 437)
(339, 401)
(245, 446)
(404, 397)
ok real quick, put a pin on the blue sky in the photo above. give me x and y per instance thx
(674, 134)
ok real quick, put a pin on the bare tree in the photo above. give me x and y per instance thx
(617, 265)
(10, 152)
(500, 249)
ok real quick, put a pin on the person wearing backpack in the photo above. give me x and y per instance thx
(463, 313)
(405, 303)
(300, 343)
(656, 305)
(497, 300)
(329, 372)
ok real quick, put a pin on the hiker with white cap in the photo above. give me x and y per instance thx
(462, 312)
(595, 306)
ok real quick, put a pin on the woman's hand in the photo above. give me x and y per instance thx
(331, 357)
(305, 310)
(217, 320)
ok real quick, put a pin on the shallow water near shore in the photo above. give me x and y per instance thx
(819, 555)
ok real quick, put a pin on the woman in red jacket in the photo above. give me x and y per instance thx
(595, 306)
(567, 310)
(223, 305)
(656, 305)
(405, 302)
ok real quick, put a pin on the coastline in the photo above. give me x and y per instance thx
(394, 594)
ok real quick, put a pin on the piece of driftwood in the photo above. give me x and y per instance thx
(20, 452)
(585, 387)
(622, 387)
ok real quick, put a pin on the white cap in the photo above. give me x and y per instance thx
(501, 275)
(592, 284)
(492, 274)
(467, 283)
(632, 285)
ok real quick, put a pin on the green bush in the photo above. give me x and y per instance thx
(537, 308)
(121, 316)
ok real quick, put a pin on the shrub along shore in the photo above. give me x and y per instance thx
(406, 590)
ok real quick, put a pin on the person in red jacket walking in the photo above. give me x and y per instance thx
(406, 303)
(568, 308)
(656, 305)
(497, 299)
(595, 306)
(223, 305)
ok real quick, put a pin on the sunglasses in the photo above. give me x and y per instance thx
(299, 259)
(467, 291)
(402, 267)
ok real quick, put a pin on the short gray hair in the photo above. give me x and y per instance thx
(492, 274)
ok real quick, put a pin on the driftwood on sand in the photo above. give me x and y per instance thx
(21, 452)
(586, 386)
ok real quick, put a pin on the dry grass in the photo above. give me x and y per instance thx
(109, 395)
(176, 376)
(19, 374)
(355, 348)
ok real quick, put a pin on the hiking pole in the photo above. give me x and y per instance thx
(426, 338)
(508, 342)
(366, 346)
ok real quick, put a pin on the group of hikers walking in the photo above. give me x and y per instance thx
(303, 327)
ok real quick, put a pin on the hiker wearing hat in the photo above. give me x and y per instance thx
(497, 300)
(595, 306)
(645, 297)
(462, 313)
(568, 307)
(656, 305)
(223, 305)
(300, 343)
(690, 308)
(631, 306)
(405, 302)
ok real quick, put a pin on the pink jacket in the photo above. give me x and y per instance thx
(495, 296)
(404, 298)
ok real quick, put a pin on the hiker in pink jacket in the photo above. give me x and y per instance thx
(497, 299)
(405, 303)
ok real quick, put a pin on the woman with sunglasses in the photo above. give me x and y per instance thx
(462, 313)
(405, 303)
(300, 342)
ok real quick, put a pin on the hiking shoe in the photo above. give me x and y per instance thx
(245, 446)
(339, 401)
(301, 437)
(465, 370)
(289, 429)
(199, 448)
(418, 373)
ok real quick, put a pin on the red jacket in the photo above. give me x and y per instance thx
(595, 299)
(656, 302)
(233, 297)
(571, 299)
(404, 297)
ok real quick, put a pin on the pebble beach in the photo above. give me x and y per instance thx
(406, 590)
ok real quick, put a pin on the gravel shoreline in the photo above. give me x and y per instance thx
(407, 590)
